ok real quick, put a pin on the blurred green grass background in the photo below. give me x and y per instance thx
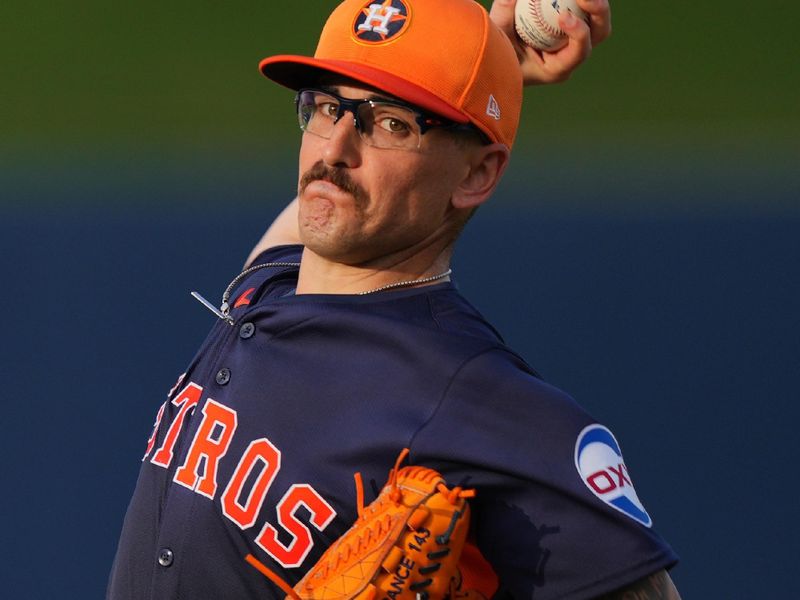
(681, 93)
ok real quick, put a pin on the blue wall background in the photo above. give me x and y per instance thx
(679, 331)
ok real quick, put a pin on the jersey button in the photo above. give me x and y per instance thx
(223, 376)
(165, 557)
(247, 330)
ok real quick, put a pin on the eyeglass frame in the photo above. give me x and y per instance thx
(425, 120)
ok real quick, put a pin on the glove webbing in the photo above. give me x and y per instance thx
(381, 526)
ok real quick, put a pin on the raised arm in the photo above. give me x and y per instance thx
(282, 231)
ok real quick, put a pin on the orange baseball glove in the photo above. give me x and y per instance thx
(403, 546)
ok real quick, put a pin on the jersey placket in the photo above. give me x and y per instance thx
(180, 502)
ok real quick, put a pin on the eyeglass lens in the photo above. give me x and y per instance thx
(380, 124)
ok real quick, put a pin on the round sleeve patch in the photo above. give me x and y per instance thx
(598, 459)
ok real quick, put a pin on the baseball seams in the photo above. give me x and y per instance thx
(536, 22)
(541, 23)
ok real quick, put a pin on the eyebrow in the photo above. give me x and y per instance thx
(373, 95)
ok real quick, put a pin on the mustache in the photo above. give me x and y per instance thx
(338, 177)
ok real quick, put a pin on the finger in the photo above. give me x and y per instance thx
(534, 71)
(554, 67)
(502, 14)
(599, 12)
(578, 48)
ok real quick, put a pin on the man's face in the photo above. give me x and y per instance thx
(360, 204)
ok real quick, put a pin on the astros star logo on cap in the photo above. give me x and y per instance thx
(378, 22)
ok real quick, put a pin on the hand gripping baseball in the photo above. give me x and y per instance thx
(540, 67)
(403, 546)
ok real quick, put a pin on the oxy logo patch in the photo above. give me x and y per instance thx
(379, 22)
(598, 459)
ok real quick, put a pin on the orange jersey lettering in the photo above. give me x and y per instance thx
(265, 457)
(210, 443)
(186, 400)
(293, 554)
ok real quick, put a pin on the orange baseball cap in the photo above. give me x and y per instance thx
(444, 56)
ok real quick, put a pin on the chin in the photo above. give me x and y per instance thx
(322, 229)
(333, 246)
(317, 217)
(320, 238)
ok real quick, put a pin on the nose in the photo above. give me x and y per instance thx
(343, 148)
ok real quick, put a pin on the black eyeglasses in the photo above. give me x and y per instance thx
(380, 123)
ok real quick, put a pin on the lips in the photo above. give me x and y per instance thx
(331, 182)
(320, 187)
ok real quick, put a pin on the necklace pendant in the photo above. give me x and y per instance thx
(222, 314)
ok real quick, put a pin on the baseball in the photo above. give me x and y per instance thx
(536, 22)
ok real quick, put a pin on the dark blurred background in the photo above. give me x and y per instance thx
(642, 254)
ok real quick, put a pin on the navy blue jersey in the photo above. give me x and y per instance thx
(255, 449)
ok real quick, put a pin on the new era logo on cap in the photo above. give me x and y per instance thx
(493, 108)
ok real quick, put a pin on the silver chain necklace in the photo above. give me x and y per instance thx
(398, 284)
(223, 312)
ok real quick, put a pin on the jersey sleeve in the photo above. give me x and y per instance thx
(556, 514)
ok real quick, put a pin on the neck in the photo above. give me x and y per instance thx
(319, 275)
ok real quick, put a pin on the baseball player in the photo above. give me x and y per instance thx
(345, 340)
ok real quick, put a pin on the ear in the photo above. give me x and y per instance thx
(486, 168)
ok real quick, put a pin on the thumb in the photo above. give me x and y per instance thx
(502, 14)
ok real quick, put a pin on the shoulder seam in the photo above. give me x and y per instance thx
(446, 390)
(435, 318)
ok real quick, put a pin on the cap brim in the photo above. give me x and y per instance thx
(296, 72)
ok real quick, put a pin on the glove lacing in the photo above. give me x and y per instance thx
(360, 544)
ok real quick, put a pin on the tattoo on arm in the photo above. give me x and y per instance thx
(657, 586)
